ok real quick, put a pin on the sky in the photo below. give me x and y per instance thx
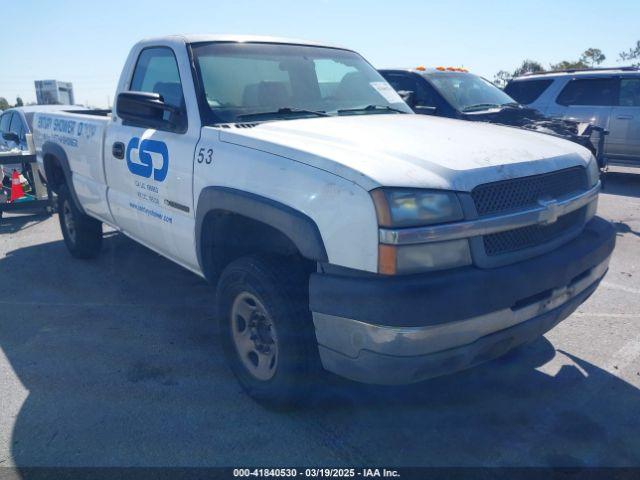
(86, 42)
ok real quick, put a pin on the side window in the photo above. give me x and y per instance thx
(629, 92)
(527, 91)
(157, 72)
(401, 82)
(424, 94)
(5, 121)
(589, 91)
(17, 126)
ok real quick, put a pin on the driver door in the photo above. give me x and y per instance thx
(149, 170)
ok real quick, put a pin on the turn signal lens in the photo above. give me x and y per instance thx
(423, 257)
(387, 259)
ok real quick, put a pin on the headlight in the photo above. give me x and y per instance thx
(402, 207)
(593, 171)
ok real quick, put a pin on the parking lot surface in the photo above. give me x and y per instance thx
(116, 362)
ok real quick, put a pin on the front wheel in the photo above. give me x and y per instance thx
(82, 234)
(267, 330)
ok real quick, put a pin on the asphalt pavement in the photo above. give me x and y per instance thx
(117, 362)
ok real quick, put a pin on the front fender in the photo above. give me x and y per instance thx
(296, 226)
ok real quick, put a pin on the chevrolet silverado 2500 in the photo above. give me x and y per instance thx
(340, 229)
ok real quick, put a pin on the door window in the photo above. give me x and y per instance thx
(157, 72)
(527, 91)
(17, 126)
(401, 82)
(424, 94)
(5, 121)
(629, 92)
(589, 91)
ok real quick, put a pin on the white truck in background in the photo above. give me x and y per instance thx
(341, 229)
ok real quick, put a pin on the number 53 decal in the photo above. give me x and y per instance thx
(205, 155)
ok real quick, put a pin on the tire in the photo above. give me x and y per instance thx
(82, 234)
(270, 345)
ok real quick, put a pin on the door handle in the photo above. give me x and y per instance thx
(118, 150)
(624, 117)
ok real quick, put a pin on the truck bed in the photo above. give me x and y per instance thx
(81, 136)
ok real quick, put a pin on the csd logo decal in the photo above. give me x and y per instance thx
(145, 167)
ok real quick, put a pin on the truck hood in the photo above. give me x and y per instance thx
(410, 150)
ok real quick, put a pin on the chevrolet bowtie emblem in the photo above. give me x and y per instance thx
(551, 211)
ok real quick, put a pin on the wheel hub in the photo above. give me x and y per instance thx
(69, 224)
(254, 336)
(260, 330)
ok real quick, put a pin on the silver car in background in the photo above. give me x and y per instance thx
(608, 98)
(15, 124)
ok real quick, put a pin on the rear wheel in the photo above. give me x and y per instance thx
(266, 329)
(82, 234)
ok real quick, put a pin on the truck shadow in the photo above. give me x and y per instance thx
(116, 362)
(622, 228)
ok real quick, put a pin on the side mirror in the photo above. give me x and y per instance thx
(409, 97)
(149, 110)
(424, 110)
(11, 137)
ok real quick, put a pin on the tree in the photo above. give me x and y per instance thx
(502, 78)
(589, 59)
(19, 102)
(528, 66)
(3, 103)
(592, 57)
(567, 65)
(631, 55)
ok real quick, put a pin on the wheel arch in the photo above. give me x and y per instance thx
(57, 170)
(270, 226)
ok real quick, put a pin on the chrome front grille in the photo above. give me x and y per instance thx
(524, 193)
(519, 218)
(532, 235)
(520, 193)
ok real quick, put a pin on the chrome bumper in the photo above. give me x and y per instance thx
(397, 355)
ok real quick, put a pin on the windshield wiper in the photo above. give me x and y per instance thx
(370, 108)
(480, 106)
(283, 111)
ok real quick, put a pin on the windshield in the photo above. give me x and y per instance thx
(467, 92)
(261, 81)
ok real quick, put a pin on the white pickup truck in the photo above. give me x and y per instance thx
(341, 229)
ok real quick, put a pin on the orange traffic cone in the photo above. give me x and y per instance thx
(16, 187)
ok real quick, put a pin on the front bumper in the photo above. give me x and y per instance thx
(406, 329)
